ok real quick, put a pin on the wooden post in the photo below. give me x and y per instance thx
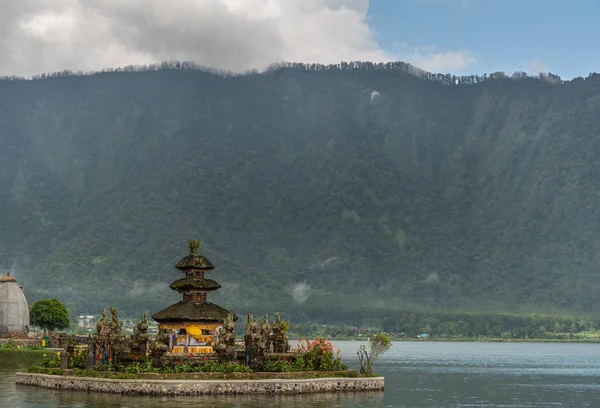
(89, 362)
(64, 359)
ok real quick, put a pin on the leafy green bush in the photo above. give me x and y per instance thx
(77, 359)
(278, 366)
(44, 370)
(11, 345)
(317, 355)
(378, 345)
(23, 357)
(144, 366)
(181, 367)
(52, 361)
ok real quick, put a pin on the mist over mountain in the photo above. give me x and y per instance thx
(321, 191)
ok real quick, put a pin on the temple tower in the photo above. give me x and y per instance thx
(194, 321)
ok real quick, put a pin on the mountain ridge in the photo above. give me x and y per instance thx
(420, 192)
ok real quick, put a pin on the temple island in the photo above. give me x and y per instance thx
(194, 323)
(195, 352)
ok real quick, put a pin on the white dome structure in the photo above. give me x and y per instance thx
(14, 310)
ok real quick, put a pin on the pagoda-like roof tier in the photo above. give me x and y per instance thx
(192, 312)
(194, 261)
(198, 284)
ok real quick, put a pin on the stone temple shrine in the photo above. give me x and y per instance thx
(193, 323)
(14, 310)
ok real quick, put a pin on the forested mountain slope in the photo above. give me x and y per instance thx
(342, 188)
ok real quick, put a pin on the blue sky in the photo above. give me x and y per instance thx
(477, 36)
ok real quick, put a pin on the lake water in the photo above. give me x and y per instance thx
(417, 374)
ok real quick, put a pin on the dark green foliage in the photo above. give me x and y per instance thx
(462, 325)
(49, 315)
(19, 358)
(478, 196)
(408, 324)
(144, 366)
(11, 344)
(77, 359)
(206, 367)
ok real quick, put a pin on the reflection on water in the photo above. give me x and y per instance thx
(418, 374)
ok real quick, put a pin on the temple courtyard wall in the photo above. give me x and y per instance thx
(201, 387)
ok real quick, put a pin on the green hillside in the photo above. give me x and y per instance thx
(320, 191)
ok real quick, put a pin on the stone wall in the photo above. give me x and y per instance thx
(23, 342)
(201, 387)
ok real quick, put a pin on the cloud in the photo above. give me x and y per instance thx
(143, 289)
(300, 292)
(237, 35)
(432, 278)
(538, 67)
(448, 61)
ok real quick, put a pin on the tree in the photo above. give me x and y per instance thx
(49, 315)
(378, 344)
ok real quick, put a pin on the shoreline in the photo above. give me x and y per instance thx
(201, 387)
(469, 340)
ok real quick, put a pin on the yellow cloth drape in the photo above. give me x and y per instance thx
(194, 330)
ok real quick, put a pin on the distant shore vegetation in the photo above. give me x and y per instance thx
(459, 326)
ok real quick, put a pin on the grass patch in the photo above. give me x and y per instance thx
(199, 375)
(16, 358)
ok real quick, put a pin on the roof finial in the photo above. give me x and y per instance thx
(7, 278)
(193, 245)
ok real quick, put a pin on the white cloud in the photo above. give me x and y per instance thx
(141, 288)
(432, 278)
(300, 292)
(52, 35)
(538, 67)
(448, 61)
